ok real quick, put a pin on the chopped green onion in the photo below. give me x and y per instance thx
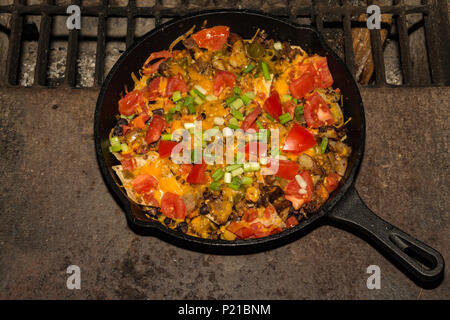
(233, 126)
(176, 96)
(211, 97)
(247, 180)
(236, 104)
(263, 161)
(286, 97)
(324, 144)
(218, 174)
(232, 167)
(196, 92)
(237, 114)
(230, 100)
(248, 68)
(251, 166)
(200, 89)
(246, 100)
(166, 136)
(265, 69)
(215, 186)
(299, 112)
(191, 108)
(191, 130)
(128, 117)
(237, 91)
(188, 100)
(227, 177)
(295, 100)
(198, 100)
(234, 122)
(286, 117)
(275, 152)
(124, 147)
(115, 148)
(268, 116)
(115, 141)
(169, 117)
(236, 180)
(234, 186)
(237, 172)
(259, 124)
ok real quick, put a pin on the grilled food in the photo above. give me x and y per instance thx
(292, 156)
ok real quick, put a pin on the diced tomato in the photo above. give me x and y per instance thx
(163, 55)
(317, 113)
(298, 139)
(128, 163)
(175, 83)
(185, 168)
(325, 79)
(131, 101)
(272, 105)
(244, 233)
(144, 183)
(155, 128)
(292, 190)
(198, 174)
(172, 206)
(301, 86)
(152, 92)
(234, 226)
(139, 121)
(165, 148)
(287, 169)
(251, 118)
(213, 38)
(250, 215)
(289, 107)
(332, 181)
(222, 80)
(125, 129)
(296, 201)
(149, 198)
(291, 222)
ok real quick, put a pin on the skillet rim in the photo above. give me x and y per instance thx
(149, 228)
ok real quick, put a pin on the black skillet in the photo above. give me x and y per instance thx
(344, 208)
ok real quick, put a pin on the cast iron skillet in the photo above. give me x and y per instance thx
(344, 208)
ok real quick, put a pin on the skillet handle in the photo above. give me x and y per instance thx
(420, 262)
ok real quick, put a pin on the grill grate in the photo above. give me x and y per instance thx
(319, 13)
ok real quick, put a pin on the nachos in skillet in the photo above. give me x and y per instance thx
(230, 84)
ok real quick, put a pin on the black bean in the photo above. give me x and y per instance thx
(167, 221)
(159, 111)
(122, 122)
(118, 131)
(204, 209)
(203, 115)
(182, 227)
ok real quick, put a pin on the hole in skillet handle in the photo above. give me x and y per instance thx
(421, 263)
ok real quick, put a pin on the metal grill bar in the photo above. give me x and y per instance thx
(15, 41)
(404, 47)
(72, 54)
(434, 12)
(160, 10)
(101, 43)
(40, 74)
(348, 41)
